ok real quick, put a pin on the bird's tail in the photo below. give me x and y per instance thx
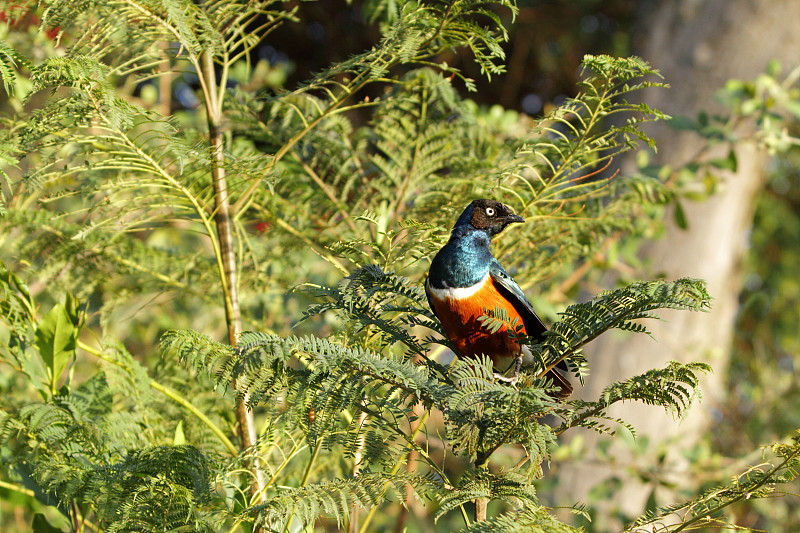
(563, 386)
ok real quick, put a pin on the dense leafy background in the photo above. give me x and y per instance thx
(378, 184)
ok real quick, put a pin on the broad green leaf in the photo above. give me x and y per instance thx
(72, 306)
(726, 163)
(179, 438)
(56, 338)
(680, 216)
(41, 525)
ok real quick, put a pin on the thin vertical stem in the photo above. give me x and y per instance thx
(481, 504)
(411, 460)
(223, 218)
(304, 481)
(421, 424)
(164, 83)
(362, 418)
(75, 515)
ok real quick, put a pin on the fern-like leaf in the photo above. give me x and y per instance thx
(370, 298)
(758, 481)
(672, 387)
(10, 61)
(620, 309)
(335, 498)
(534, 519)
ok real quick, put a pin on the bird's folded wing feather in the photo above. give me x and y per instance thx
(533, 324)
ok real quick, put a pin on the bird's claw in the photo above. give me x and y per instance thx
(511, 381)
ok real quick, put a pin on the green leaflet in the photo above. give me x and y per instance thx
(41, 525)
(56, 338)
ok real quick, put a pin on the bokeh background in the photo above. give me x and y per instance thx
(737, 224)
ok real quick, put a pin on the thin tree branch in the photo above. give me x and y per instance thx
(224, 223)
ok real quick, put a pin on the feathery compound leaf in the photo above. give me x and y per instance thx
(620, 309)
(672, 387)
(262, 365)
(481, 414)
(335, 498)
(480, 483)
(533, 519)
(9, 157)
(317, 386)
(77, 448)
(199, 351)
(158, 488)
(563, 173)
(10, 61)
(371, 297)
(758, 481)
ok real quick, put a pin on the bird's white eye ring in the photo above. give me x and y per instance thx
(490, 211)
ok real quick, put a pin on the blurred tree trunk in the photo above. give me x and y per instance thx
(697, 45)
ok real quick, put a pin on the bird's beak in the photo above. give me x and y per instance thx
(514, 218)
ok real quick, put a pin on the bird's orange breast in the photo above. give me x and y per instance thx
(459, 311)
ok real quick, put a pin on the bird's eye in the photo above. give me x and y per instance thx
(489, 211)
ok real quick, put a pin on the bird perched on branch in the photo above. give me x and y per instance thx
(466, 283)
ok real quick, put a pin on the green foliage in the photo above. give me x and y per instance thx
(18, 306)
(759, 481)
(621, 309)
(380, 307)
(673, 388)
(297, 376)
(168, 222)
(57, 339)
(10, 61)
(533, 520)
(75, 448)
(335, 498)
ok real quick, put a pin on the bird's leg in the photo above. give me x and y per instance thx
(518, 366)
(513, 379)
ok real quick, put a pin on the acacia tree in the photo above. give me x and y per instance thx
(109, 203)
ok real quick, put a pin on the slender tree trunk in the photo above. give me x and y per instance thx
(164, 83)
(698, 46)
(481, 505)
(223, 217)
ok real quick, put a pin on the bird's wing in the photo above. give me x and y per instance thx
(430, 300)
(534, 326)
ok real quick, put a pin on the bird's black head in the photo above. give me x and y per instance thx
(487, 215)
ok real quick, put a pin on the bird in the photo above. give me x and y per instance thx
(465, 281)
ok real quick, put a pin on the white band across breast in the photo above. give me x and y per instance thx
(458, 293)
